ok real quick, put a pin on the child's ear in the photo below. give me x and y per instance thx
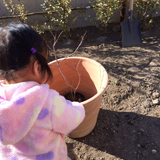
(36, 68)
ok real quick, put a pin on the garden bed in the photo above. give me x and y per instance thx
(128, 125)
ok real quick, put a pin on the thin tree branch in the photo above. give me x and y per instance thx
(76, 67)
(54, 52)
(79, 75)
(41, 13)
(82, 39)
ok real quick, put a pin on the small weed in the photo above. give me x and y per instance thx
(101, 45)
(126, 73)
(143, 84)
(116, 83)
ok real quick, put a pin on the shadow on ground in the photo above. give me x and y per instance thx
(119, 133)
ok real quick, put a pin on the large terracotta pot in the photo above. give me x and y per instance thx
(94, 81)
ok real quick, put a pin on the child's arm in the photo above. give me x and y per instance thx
(66, 115)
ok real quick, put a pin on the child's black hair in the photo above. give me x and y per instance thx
(16, 42)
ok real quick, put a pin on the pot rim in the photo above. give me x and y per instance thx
(105, 79)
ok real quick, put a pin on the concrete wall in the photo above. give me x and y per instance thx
(34, 6)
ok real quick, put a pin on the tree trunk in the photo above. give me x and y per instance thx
(123, 11)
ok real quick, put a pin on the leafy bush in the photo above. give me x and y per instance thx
(57, 14)
(16, 9)
(145, 10)
(104, 10)
(62, 15)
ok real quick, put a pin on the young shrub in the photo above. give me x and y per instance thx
(58, 13)
(104, 10)
(16, 9)
(146, 10)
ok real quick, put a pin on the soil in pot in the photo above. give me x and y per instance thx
(75, 97)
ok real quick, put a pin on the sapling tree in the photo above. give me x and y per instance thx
(74, 67)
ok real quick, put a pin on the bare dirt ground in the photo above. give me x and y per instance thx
(128, 125)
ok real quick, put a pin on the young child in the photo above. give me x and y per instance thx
(33, 118)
